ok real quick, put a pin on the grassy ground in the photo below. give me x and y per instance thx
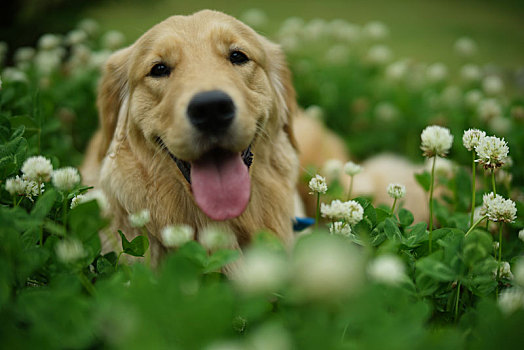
(424, 30)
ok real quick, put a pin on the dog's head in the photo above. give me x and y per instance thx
(200, 88)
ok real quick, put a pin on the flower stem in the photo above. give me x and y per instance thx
(457, 300)
(350, 190)
(493, 181)
(475, 224)
(500, 258)
(86, 283)
(317, 217)
(431, 201)
(393, 206)
(473, 189)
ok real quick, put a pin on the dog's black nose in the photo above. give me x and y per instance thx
(211, 111)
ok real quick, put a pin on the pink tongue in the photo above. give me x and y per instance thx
(221, 185)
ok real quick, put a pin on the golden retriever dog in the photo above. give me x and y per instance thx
(196, 126)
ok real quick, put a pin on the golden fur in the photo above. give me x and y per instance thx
(135, 173)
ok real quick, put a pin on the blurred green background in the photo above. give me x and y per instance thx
(422, 29)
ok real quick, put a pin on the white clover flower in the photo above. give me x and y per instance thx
(98, 58)
(436, 141)
(492, 152)
(437, 72)
(176, 236)
(75, 37)
(37, 168)
(521, 235)
(340, 228)
(337, 54)
(269, 336)
(492, 85)
(113, 40)
(397, 71)
(396, 191)
(375, 30)
(497, 208)
(465, 47)
(48, 61)
(504, 177)
(15, 186)
(518, 270)
(352, 169)
(472, 137)
(260, 271)
(488, 109)
(49, 42)
(315, 112)
(385, 111)
(387, 269)
(332, 169)
(351, 211)
(505, 270)
(32, 189)
(510, 300)
(500, 124)
(254, 18)
(344, 31)
(318, 184)
(379, 55)
(89, 25)
(291, 26)
(451, 96)
(65, 179)
(315, 29)
(470, 73)
(14, 75)
(324, 268)
(24, 55)
(69, 250)
(472, 98)
(78, 199)
(97, 195)
(496, 245)
(213, 238)
(140, 219)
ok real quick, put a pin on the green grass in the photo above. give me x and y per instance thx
(423, 30)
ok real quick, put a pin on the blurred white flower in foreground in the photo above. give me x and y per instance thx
(97, 195)
(375, 30)
(139, 219)
(177, 235)
(113, 40)
(325, 267)
(521, 235)
(213, 238)
(379, 55)
(49, 41)
(437, 72)
(37, 168)
(270, 336)
(497, 208)
(470, 73)
(510, 300)
(388, 269)
(436, 141)
(260, 271)
(70, 250)
(65, 179)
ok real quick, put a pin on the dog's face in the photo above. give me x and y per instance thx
(201, 89)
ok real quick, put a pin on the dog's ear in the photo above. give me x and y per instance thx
(112, 91)
(282, 80)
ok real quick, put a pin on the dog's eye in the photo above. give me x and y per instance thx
(238, 57)
(160, 70)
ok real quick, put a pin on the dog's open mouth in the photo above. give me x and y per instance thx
(219, 181)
